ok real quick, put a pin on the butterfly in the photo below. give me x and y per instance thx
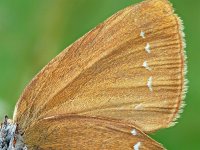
(109, 89)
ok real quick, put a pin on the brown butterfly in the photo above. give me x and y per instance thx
(109, 89)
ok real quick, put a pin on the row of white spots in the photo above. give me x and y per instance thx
(145, 64)
(137, 145)
(149, 85)
(147, 47)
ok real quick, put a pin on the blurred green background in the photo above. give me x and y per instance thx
(32, 32)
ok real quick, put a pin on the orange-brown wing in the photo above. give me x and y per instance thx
(86, 133)
(129, 68)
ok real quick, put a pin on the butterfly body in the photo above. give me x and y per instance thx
(120, 81)
(10, 138)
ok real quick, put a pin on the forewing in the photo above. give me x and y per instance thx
(129, 68)
(86, 133)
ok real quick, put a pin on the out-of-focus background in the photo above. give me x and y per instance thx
(33, 32)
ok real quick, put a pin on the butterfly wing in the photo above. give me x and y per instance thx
(129, 68)
(86, 133)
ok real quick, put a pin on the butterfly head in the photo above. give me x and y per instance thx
(10, 136)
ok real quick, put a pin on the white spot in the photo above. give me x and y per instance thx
(136, 146)
(145, 65)
(139, 106)
(147, 48)
(149, 84)
(142, 34)
(51, 117)
(134, 132)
